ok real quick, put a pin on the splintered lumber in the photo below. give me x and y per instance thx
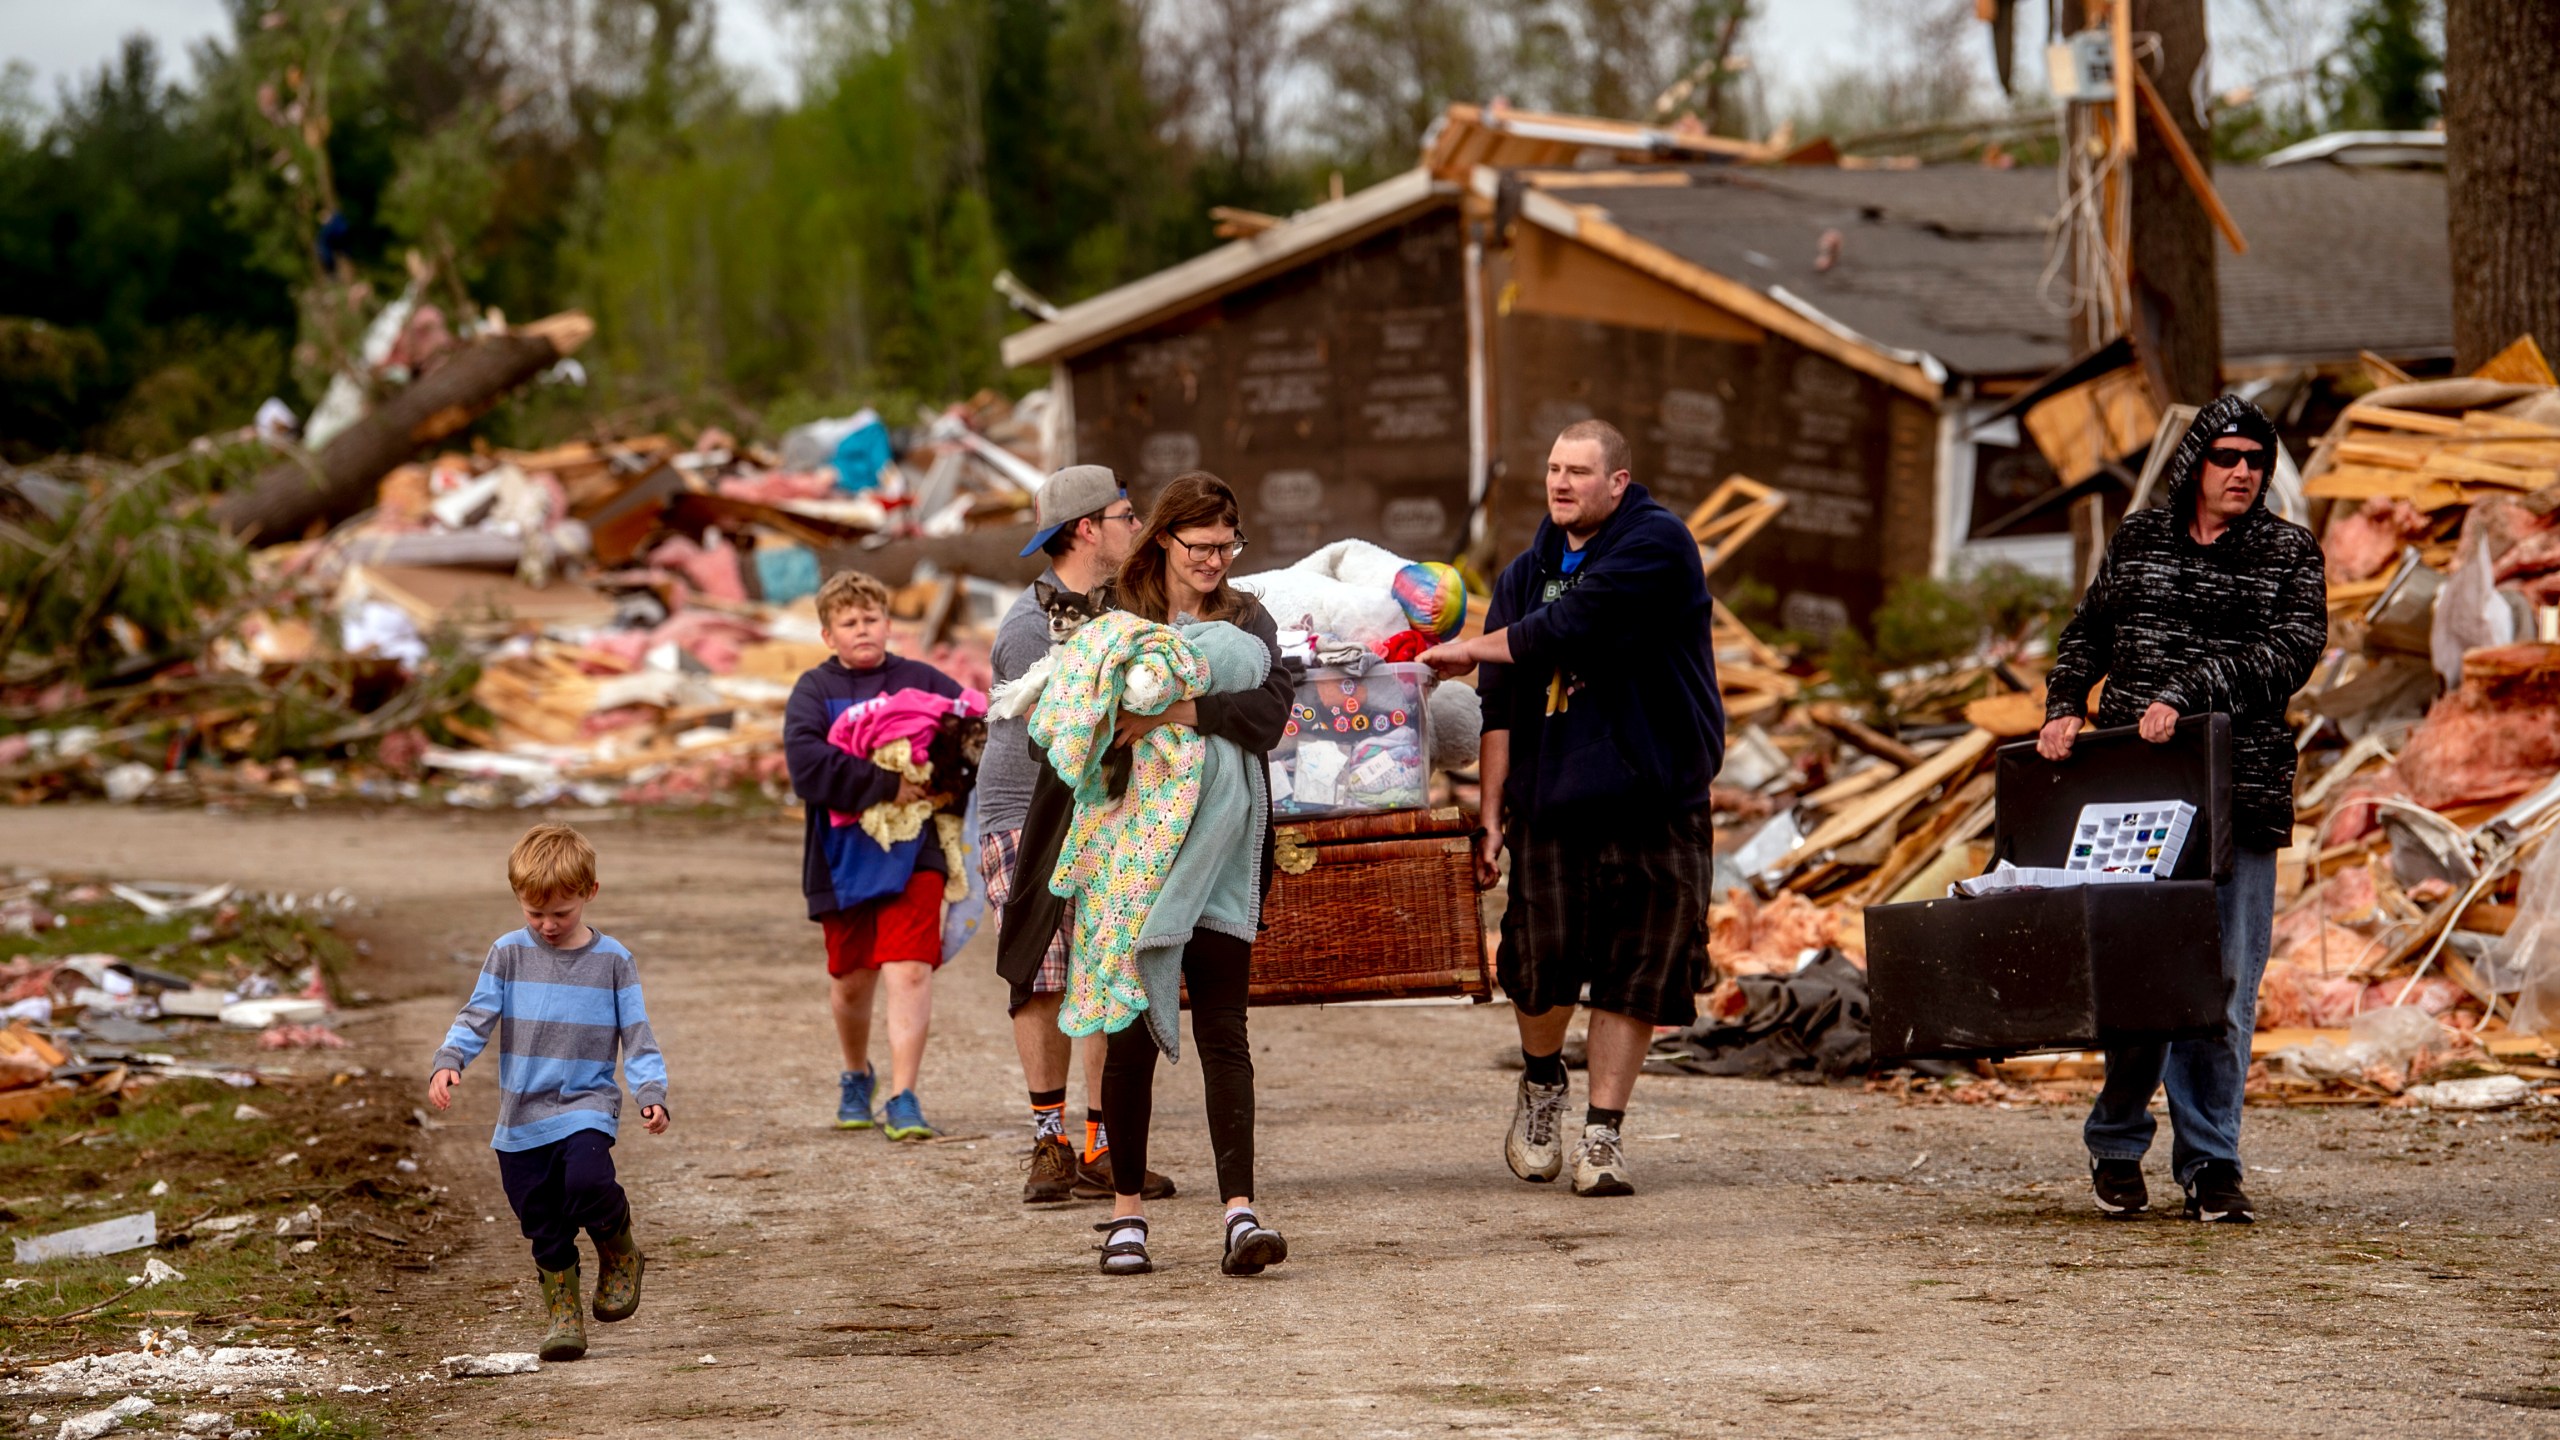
(1841, 723)
(2107, 418)
(2011, 716)
(2381, 371)
(1959, 757)
(1731, 634)
(478, 601)
(339, 481)
(546, 696)
(1731, 514)
(1841, 791)
(2521, 363)
(2190, 169)
(1942, 827)
(2423, 422)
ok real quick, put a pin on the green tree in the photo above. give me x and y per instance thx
(1388, 69)
(118, 267)
(2389, 69)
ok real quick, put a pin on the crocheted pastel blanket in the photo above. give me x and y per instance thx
(1117, 853)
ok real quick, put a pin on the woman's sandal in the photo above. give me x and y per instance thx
(1251, 1245)
(1125, 1257)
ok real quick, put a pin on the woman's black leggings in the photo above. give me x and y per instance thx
(1218, 969)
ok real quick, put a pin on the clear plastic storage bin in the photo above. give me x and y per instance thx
(1355, 744)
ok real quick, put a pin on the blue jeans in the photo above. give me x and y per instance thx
(2204, 1077)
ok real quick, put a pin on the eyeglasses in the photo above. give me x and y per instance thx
(1214, 549)
(2230, 459)
(1125, 517)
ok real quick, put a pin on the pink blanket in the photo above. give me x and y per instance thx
(908, 715)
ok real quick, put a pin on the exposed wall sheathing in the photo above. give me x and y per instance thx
(1332, 397)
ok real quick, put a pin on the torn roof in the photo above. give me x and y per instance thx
(1949, 260)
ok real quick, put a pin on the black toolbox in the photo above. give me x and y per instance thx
(2082, 967)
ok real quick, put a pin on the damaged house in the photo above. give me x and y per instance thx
(1392, 364)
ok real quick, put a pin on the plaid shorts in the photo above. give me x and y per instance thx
(996, 851)
(1619, 907)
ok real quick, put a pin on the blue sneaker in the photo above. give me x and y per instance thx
(903, 1118)
(853, 1100)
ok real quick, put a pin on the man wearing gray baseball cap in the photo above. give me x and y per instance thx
(1087, 528)
(1069, 496)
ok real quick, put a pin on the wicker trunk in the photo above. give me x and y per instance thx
(1373, 907)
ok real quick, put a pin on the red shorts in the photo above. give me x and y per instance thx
(894, 928)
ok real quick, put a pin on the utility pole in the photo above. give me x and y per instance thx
(2156, 229)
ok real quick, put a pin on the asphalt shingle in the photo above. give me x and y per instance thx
(1951, 260)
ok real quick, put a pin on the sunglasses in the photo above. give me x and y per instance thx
(2229, 459)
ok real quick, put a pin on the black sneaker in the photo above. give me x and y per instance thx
(2214, 1195)
(2118, 1183)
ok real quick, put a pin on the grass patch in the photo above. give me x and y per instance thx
(221, 947)
(97, 1156)
(311, 1422)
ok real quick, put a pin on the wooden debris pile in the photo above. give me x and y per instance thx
(2430, 780)
(614, 620)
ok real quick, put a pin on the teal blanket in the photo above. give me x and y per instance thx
(1216, 880)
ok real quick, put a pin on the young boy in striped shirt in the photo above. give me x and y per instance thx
(563, 1000)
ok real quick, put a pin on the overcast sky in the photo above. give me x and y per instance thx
(1796, 37)
(1793, 41)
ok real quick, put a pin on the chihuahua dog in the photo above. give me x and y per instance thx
(1068, 612)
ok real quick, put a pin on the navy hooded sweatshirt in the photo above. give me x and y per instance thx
(2236, 626)
(841, 866)
(1610, 697)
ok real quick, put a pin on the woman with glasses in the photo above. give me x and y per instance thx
(1177, 573)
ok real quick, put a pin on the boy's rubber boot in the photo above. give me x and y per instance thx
(567, 1338)
(618, 1266)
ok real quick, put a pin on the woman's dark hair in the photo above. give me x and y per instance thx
(1194, 501)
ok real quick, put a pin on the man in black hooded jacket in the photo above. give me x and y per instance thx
(2208, 602)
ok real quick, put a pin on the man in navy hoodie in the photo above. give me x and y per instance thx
(1602, 727)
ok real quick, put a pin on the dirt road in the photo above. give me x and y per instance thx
(1798, 1261)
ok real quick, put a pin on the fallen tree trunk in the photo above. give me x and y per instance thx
(340, 480)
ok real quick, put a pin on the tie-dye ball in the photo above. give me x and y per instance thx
(1433, 597)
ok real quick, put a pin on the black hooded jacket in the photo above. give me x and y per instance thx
(1626, 648)
(2236, 626)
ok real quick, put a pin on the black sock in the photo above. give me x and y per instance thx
(1543, 1069)
(1048, 1114)
(1594, 1115)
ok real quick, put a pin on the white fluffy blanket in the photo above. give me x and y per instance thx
(1340, 590)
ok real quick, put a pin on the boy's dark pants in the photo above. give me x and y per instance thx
(561, 1188)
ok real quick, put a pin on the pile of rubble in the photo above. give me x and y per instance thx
(2419, 881)
(99, 1021)
(614, 621)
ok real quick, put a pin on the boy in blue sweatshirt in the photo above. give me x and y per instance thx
(881, 909)
(563, 1001)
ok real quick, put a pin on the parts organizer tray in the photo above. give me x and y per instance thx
(2139, 839)
(2082, 966)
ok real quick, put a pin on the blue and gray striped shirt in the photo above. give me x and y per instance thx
(560, 1016)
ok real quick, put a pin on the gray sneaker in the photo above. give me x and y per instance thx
(1535, 1146)
(1600, 1163)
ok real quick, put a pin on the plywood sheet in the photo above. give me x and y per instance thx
(1555, 276)
(1696, 410)
(1331, 396)
(435, 595)
(2094, 422)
